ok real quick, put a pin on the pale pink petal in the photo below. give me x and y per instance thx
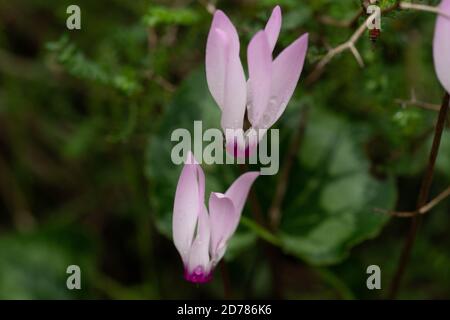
(286, 71)
(223, 40)
(235, 95)
(198, 269)
(273, 27)
(259, 56)
(441, 46)
(222, 216)
(216, 61)
(222, 22)
(224, 71)
(189, 197)
(238, 193)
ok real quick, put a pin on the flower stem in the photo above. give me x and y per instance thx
(225, 280)
(422, 199)
(262, 232)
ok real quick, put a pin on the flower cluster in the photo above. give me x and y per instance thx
(201, 234)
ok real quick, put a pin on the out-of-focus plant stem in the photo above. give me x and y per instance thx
(336, 283)
(227, 294)
(422, 199)
(261, 231)
(283, 180)
(13, 196)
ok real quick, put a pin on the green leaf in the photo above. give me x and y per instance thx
(332, 207)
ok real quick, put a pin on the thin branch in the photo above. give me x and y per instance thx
(443, 195)
(422, 199)
(417, 103)
(162, 82)
(348, 45)
(422, 210)
(422, 7)
(341, 23)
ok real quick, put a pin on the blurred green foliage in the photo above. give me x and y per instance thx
(159, 15)
(85, 171)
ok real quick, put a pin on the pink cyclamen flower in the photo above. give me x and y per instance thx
(271, 81)
(201, 237)
(441, 46)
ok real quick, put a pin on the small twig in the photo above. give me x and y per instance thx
(283, 180)
(162, 82)
(422, 7)
(341, 23)
(417, 103)
(422, 210)
(422, 199)
(348, 45)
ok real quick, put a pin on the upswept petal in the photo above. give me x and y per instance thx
(222, 22)
(286, 70)
(222, 217)
(259, 57)
(216, 61)
(273, 27)
(187, 205)
(238, 193)
(235, 95)
(224, 71)
(441, 46)
(222, 37)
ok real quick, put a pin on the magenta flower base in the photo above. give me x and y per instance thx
(198, 275)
